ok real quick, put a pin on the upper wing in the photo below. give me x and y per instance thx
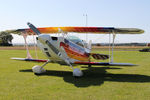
(95, 30)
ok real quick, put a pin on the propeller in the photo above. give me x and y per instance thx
(33, 28)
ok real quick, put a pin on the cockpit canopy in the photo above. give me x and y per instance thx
(76, 40)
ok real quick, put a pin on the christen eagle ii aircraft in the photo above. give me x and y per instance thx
(70, 50)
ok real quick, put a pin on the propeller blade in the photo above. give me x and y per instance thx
(33, 28)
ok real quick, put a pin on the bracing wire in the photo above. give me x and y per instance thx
(26, 45)
(109, 46)
(35, 48)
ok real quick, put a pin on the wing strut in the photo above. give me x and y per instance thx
(35, 47)
(112, 56)
(26, 45)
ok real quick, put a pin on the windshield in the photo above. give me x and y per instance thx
(76, 40)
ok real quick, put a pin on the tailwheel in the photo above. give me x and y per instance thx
(77, 72)
(38, 69)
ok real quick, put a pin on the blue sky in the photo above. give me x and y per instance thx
(43, 13)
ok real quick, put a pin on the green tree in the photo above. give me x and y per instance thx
(5, 38)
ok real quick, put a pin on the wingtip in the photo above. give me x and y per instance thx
(142, 31)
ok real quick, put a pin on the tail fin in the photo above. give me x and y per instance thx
(33, 28)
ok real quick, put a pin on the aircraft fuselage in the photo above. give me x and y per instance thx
(60, 49)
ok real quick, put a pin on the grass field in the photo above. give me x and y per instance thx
(17, 82)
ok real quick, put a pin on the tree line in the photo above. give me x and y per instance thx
(5, 39)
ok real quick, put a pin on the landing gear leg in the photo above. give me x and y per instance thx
(76, 72)
(39, 69)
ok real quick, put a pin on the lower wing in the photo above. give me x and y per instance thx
(80, 63)
(27, 59)
(105, 64)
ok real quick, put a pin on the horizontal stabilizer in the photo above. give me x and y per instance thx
(104, 64)
(100, 56)
(27, 59)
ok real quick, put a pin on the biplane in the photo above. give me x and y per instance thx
(70, 50)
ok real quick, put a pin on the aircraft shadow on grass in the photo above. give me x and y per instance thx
(95, 76)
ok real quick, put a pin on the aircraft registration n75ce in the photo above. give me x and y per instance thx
(70, 50)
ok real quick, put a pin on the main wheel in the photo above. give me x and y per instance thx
(38, 69)
(77, 72)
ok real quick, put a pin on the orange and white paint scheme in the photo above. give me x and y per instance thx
(70, 50)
